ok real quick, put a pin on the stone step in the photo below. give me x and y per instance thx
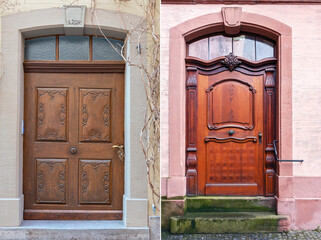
(229, 222)
(230, 204)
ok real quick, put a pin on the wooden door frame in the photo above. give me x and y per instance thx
(267, 68)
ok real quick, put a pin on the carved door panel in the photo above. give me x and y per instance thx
(71, 170)
(230, 130)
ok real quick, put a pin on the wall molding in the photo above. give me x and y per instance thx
(298, 2)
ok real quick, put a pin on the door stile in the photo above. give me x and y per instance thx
(191, 158)
(269, 131)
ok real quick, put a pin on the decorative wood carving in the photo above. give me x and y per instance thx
(232, 19)
(244, 153)
(269, 98)
(51, 182)
(228, 93)
(231, 62)
(95, 181)
(191, 158)
(95, 103)
(230, 139)
(51, 114)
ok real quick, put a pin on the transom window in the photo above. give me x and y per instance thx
(247, 46)
(73, 48)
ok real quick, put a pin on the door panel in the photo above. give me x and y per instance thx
(230, 118)
(72, 121)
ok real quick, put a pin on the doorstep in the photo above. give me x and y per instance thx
(78, 229)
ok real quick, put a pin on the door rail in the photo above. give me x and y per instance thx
(281, 160)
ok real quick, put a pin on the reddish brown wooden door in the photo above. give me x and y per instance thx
(230, 121)
(230, 127)
(71, 170)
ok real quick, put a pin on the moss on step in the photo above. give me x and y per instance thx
(236, 222)
(230, 204)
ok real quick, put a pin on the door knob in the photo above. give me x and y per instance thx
(73, 150)
(121, 152)
(231, 132)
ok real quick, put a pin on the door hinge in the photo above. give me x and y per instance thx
(22, 127)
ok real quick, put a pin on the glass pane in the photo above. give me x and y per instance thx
(199, 49)
(244, 46)
(264, 49)
(220, 46)
(74, 48)
(40, 49)
(103, 50)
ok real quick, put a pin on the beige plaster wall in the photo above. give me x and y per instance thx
(306, 26)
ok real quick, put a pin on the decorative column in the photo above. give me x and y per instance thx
(269, 100)
(191, 158)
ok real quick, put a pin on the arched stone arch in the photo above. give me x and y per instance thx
(16, 27)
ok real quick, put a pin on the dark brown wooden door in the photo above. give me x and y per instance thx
(230, 134)
(71, 170)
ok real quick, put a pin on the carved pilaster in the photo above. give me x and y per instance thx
(191, 158)
(269, 100)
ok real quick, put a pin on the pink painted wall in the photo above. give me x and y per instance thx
(299, 188)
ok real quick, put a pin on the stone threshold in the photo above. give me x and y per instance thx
(77, 229)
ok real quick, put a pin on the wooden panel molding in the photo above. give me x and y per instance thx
(51, 180)
(51, 114)
(230, 139)
(95, 184)
(228, 93)
(74, 67)
(95, 121)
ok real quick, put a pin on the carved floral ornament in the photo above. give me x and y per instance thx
(231, 62)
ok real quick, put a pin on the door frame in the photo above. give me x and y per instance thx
(265, 67)
(44, 22)
(174, 180)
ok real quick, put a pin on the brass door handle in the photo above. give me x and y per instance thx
(121, 152)
(118, 146)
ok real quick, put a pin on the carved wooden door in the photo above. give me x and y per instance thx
(72, 121)
(230, 124)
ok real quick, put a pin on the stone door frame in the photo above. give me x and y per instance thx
(231, 20)
(15, 28)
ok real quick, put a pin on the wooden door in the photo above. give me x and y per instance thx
(72, 121)
(228, 139)
(230, 124)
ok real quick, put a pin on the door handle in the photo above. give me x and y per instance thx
(231, 132)
(260, 137)
(121, 152)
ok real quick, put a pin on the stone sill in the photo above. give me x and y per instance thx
(73, 225)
